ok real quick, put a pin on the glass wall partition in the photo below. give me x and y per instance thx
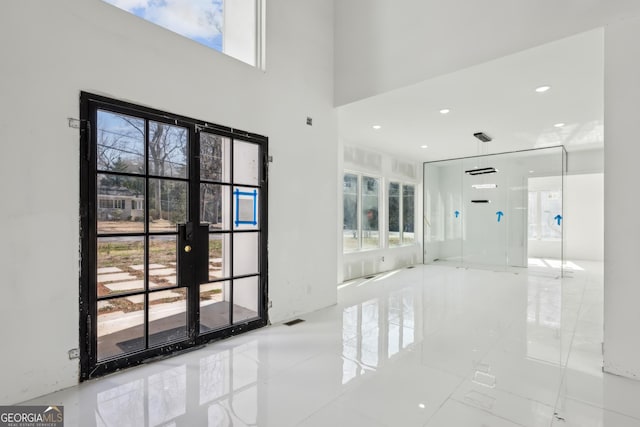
(500, 211)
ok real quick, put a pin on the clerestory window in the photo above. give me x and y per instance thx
(234, 27)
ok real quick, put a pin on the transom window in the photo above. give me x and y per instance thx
(235, 28)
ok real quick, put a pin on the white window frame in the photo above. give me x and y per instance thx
(381, 212)
(359, 213)
(415, 195)
(358, 204)
(401, 207)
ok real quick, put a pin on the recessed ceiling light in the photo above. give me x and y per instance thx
(445, 111)
(424, 146)
(559, 125)
(377, 127)
(484, 186)
(542, 89)
(531, 171)
(422, 406)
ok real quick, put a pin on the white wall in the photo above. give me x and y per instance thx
(584, 217)
(387, 168)
(383, 45)
(622, 227)
(53, 50)
(585, 161)
(240, 35)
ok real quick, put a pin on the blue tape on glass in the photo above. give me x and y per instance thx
(244, 195)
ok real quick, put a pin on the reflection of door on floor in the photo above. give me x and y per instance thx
(173, 233)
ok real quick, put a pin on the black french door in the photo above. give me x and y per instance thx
(173, 233)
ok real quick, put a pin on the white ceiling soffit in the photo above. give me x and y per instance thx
(497, 98)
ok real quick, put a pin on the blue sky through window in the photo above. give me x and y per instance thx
(199, 20)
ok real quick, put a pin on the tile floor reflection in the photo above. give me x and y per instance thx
(429, 346)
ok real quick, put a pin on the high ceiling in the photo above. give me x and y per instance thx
(498, 98)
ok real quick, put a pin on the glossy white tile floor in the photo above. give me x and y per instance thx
(429, 346)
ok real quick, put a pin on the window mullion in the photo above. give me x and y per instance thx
(401, 213)
(358, 211)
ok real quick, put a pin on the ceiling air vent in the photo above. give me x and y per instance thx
(481, 201)
(482, 136)
(481, 171)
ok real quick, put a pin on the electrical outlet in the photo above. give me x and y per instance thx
(74, 353)
(309, 121)
(382, 259)
(270, 303)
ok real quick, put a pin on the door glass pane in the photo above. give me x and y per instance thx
(245, 253)
(167, 316)
(219, 255)
(120, 265)
(246, 163)
(370, 209)
(444, 213)
(485, 195)
(350, 218)
(245, 208)
(162, 261)
(214, 306)
(394, 214)
(214, 157)
(120, 145)
(534, 215)
(408, 203)
(120, 326)
(167, 204)
(214, 206)
(168, 150)
(120, 204)
(550, 207)
(245, 299)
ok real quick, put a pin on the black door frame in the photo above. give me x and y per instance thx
(90, 367)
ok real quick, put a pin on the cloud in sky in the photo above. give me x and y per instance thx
(200, 19)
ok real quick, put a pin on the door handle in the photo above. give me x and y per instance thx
(187, 248)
